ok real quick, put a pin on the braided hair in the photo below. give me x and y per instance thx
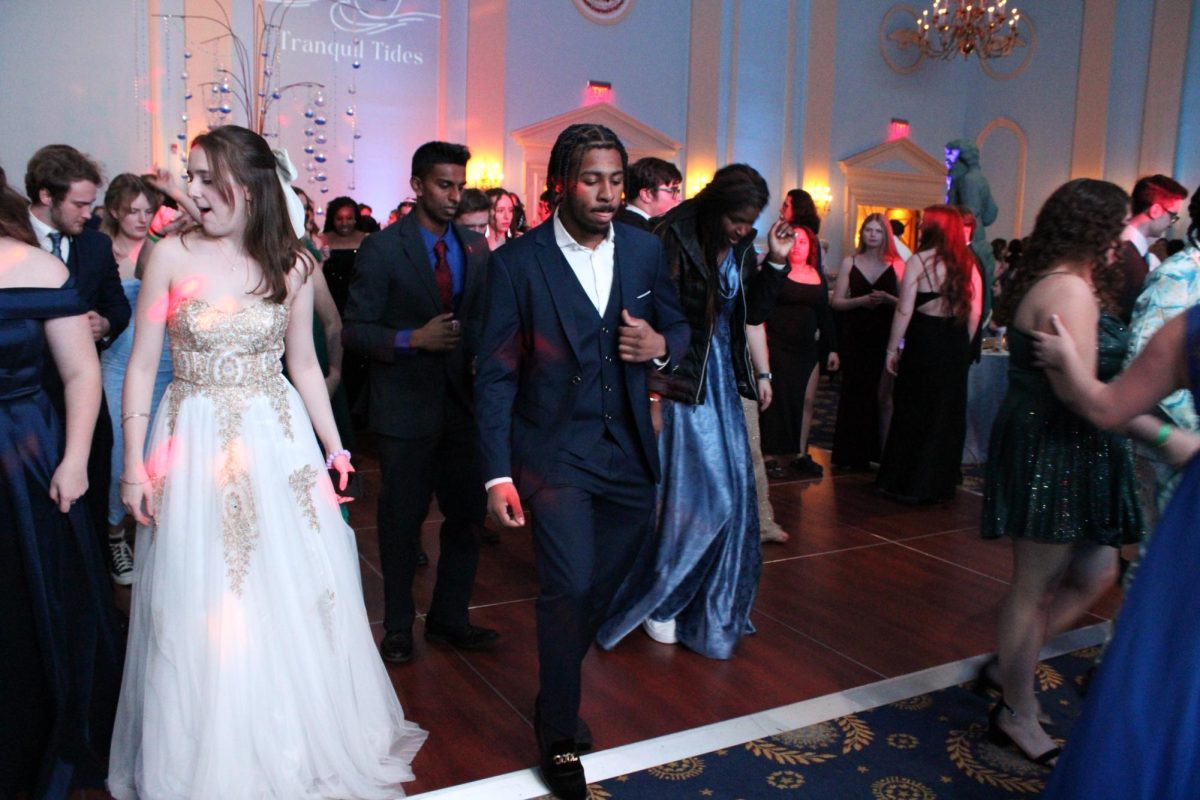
(567, 155)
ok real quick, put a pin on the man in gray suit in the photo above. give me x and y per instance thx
(414, 310)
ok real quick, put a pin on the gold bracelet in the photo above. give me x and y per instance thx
(126, 417)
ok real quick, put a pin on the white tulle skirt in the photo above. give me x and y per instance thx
(251, 671)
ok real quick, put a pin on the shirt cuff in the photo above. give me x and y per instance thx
(776, 267)
(496, 482)
(401, 344)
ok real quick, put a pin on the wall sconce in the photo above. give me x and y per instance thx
(822, 197)
(599, 91)
(897, 129)
(697, 182)
(484, 175)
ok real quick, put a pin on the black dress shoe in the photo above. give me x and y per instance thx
(467, 637)
(807, 467)
(397, 647)
(558, 761)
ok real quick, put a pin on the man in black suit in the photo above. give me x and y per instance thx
(652, 188)
(413, 309)
(61, 185)
(577, 311)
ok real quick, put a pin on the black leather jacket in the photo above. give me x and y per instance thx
(698, 288)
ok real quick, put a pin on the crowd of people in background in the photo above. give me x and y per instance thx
(653, 393)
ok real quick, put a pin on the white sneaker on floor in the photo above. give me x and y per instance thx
(661, 632)
(122, 560)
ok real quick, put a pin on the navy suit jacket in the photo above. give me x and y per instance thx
(529, 362)
(98, 281)
(394, 289)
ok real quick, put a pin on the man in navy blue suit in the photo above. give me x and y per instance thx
(576, 312)
(61, 185)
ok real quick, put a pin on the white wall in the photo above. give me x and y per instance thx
(70, 72)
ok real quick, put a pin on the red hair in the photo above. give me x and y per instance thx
(942, 232)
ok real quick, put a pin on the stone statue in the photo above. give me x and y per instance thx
(966, 186)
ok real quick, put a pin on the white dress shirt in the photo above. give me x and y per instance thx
(43, 231)
(593, 267)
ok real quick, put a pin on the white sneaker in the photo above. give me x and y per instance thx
(661, 632)
(122, 560)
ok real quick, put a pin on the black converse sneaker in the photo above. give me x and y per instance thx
(122, 560)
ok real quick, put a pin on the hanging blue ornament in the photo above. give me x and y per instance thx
(183, 75)
(324, 190)
(275, 95)
(321, 158)
(356, 63)
(309, 113)
(349, 159)
(187, 53)
(349, 111)
(320, 120)
(308, 148)
(322, 138)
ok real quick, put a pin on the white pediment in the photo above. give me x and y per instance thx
(636, 135)
(892, 175)
(900, 156)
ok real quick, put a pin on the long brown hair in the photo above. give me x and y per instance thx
(121, 193)
(942, 232)
(889, 251)
(1081, 221)
(240, 157)
(14, 214)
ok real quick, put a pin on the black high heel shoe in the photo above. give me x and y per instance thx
(998, 737)
(986, 687)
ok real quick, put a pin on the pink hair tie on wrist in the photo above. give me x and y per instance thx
(332, 457)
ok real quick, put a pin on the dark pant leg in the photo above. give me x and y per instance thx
(462, 500)
(590, 522)
(406, 469)
(99, 471)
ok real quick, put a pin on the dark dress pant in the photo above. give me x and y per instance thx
(590, 519)
(413, 470)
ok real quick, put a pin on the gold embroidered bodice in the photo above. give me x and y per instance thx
(211, 347)
(229, 358)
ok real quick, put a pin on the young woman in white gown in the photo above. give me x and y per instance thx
(251, 671)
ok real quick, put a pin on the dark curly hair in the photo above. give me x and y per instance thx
(1081, 221)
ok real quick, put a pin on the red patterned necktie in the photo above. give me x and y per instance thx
(441, 273)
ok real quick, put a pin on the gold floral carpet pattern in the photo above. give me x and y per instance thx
(929, 747)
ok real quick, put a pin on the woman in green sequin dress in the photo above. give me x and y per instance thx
(1060, 488)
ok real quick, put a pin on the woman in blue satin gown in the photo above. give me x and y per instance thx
(60, 665)
(700, 573)
(1139, 735)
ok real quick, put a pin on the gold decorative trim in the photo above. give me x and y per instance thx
(302, 482)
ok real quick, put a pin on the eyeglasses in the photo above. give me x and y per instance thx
(674, 191)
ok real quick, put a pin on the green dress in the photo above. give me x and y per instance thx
(1052, 476)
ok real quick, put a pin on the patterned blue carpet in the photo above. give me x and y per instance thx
(923, 748)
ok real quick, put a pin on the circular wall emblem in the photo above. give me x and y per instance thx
(604, 12)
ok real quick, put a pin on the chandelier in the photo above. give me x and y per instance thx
(967, 27)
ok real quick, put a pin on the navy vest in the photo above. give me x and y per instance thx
(602, 406)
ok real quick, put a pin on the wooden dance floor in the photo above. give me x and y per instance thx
(865, 590)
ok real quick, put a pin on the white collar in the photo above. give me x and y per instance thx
(637, 210)
(564, 239)
(41, 229)
(1137, 239)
